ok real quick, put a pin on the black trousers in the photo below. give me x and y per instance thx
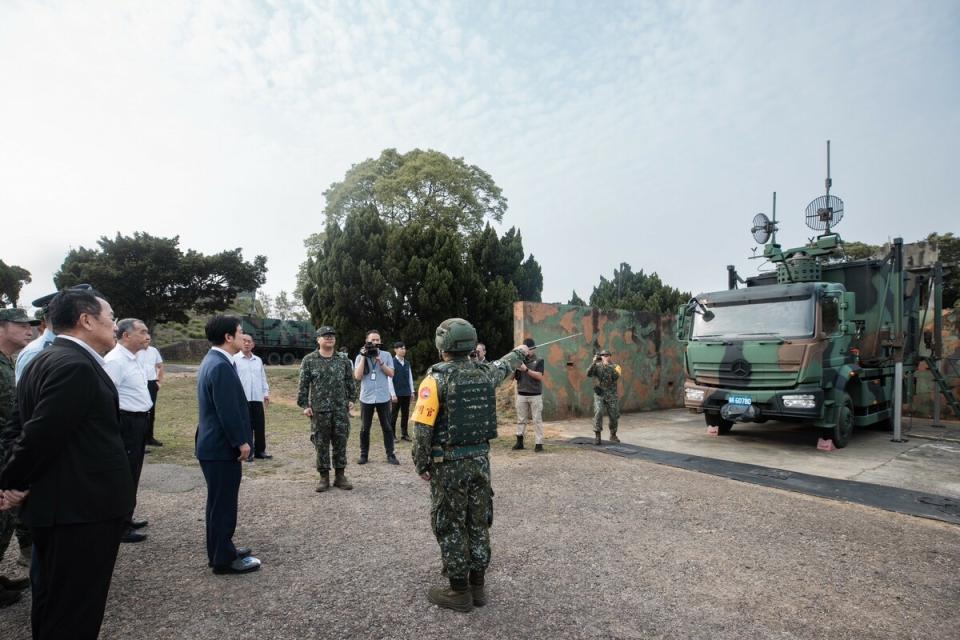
(402, 408)
(366, 419)
(154, 389)
(258, 422)
(133, 430)
(74, 564)
(223, 489)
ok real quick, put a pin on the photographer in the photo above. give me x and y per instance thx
(605, 394)
(373, 368)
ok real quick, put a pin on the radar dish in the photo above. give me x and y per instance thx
(824, 212)
(762, 228)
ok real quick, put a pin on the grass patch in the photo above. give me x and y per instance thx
(288, 430)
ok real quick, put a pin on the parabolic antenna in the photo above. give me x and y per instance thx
(824, 212)
(762, 228)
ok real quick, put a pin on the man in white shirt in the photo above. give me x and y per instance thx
(135, 404)
(152, 363)
(255, 387)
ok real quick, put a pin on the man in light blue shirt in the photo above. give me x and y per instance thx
(373, 368)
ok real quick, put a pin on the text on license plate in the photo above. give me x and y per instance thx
(741, 400)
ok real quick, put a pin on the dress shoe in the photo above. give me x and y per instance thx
(7, 598)
(249, 458)
(14, 584)
(244, 552)
(362, 460)
(153, 442)
(240, 565)
(392, 459)
(138, 524)
(405, 438)
(263, 456)
(133, 536)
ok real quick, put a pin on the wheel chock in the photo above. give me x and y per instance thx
(825, 444)
(713, 431)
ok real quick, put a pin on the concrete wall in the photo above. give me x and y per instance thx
(643, 344)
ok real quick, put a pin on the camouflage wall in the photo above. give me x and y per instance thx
(643, 344)
(922, 405)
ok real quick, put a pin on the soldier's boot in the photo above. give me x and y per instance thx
(457, 596)
(596, 438)
(324, 484)
(477, 591)
(519, 444)
(613, 437)
(340, 481)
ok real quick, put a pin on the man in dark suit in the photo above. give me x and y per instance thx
(223, 441)
(69, 471)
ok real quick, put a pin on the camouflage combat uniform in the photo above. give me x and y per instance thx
(605, 395)
(8, 390)
(461, 507)
(327, 386)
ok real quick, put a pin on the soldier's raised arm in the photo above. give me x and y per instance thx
(508, 363)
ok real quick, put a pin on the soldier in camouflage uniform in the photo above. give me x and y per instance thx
(326, 393)
(15, 333)
(605, 394)
(455, 417)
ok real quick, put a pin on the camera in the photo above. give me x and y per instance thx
(370, 350)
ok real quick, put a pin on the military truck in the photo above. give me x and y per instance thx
(280, 341)
(816, 339)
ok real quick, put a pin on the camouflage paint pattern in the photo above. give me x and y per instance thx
(274, 336)
(643, 344)
(856, 359)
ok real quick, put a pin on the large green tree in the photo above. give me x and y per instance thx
(636, 292)
(407, 244)
(12, 279)
(150, 278)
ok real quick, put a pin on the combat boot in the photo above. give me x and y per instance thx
(477, 591)
(457, 596)
(596, 438)
(519, 444)
(340, 481)
(613, 437)
(324, 484)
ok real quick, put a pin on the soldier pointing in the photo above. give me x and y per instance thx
(455, 417)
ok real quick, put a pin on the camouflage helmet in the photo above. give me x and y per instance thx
(456, 335)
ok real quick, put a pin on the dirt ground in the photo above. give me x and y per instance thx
(585, 545)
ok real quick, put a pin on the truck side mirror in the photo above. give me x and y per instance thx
(682, 322)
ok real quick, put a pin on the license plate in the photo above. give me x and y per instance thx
(740, 400)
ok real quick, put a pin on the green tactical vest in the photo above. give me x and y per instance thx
(469, 412)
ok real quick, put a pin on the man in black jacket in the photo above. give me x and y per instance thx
(69, 471)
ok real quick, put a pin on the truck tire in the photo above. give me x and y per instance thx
(716, 420)
(843, 429)
(289, 358)
(273, 358)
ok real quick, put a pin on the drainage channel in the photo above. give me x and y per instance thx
(913, 503)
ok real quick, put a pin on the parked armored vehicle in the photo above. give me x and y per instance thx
(817, 339)
(280, 341)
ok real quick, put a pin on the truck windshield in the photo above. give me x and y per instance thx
(783, 318)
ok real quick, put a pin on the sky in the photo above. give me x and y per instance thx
(642, 132)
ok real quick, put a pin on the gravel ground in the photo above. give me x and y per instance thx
(585, 545)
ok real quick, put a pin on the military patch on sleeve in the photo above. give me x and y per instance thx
(428, 402)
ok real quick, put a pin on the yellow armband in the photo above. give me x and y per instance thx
(428, 402)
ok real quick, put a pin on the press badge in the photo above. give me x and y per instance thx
(373, 375)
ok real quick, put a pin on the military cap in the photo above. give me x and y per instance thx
(529, 343)
(604, 353)
(326, 330)
(44, 301)
(17, 315)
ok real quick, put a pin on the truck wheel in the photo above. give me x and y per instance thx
(716, 420)
(289, 358)
(842, 431)
(273, 358)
